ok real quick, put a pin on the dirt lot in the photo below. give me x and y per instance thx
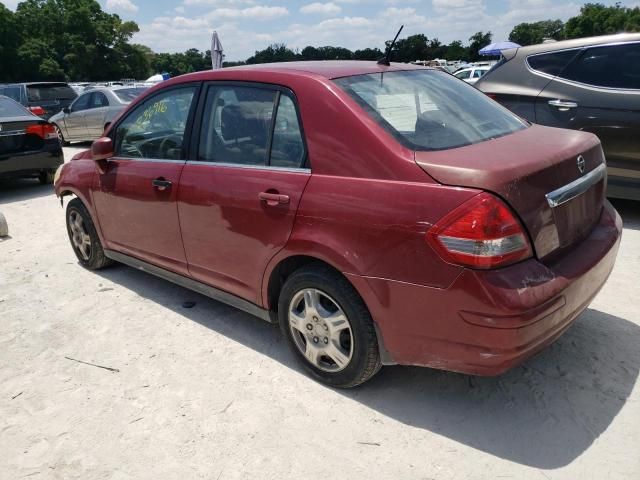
(212, 393)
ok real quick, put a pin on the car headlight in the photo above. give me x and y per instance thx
(56, 177)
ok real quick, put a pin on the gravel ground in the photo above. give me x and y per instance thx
(212, 393)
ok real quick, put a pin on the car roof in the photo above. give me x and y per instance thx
(326, 68)
(577, 43)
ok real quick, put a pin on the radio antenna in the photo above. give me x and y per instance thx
(385, 60)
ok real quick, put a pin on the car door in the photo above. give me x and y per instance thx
(74, 121)
(136, 194)
(95, 115)
(599, 92)
(239, 195)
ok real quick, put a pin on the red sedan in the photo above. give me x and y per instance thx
(380, 214)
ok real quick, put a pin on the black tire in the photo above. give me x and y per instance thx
(365, 357)
(46, 177)
(91, 255)
(61, 136)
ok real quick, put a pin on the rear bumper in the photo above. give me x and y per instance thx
(30, 162)
(487, 322)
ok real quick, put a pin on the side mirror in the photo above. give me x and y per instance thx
(66, 110)
(102, 149)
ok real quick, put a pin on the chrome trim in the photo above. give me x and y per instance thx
(191, 284)
(141, 159)
(252, 167)
(11, 133)
(588, 86)
(576, 188)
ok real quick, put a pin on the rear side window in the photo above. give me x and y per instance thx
(463, 75)
(52, 91)
(155, 128)
(430, 110)
(616, 66)
(239, 127)
(9, 108)
(11, 92)
(551, 63)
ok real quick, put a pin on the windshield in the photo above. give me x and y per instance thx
(50, 91)
(9, 108)
(127, 95)
(430, 110)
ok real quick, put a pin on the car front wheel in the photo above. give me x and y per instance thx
(84, 238)
(328, 327)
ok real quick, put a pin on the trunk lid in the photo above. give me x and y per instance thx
(527, 169)
(14, 139)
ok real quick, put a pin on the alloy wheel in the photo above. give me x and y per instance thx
(79, 235)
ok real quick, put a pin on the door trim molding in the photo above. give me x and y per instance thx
(191, 284)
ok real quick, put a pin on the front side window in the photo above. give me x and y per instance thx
(463, 74)
(616, 66)
(430, 110)
(127, 95)
(82, 103)
(155, 128)
(99, 100)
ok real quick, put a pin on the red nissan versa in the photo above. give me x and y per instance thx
(380, 214)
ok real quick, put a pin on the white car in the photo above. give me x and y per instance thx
(471, 75)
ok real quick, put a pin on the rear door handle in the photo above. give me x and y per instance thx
(161, 183)
(273, 199)
(562, 105)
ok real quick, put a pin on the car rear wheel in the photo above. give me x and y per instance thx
(46, 177)
(61, 136)
(328, 327)
(84, 238)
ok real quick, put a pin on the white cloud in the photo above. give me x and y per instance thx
(259, 12)
(179, 9)
(321, 8)
(122, 6)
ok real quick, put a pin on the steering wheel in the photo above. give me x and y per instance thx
(171, 141)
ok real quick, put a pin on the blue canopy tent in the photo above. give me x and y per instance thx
(494, 49)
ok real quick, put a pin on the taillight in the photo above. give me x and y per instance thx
(37, 110)
(45, 131)
(480, 233)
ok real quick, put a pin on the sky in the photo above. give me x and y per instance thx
(245, 26)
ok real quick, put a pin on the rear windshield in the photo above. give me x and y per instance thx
(9, 108)
(127, 95)
(430, 110)
(50, 91)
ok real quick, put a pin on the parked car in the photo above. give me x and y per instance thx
(380, 214)
(41, 98)
(589, 84)
(87, 117)
(471, 75)
(29, 145)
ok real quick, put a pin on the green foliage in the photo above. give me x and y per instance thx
(533, 33)
(597, 19)
(477, 41)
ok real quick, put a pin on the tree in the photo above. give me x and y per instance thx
(10, 40)
(597, 19)
(277, 52)
(533, 33)
(368, 54)
(477, 41)
(456, 51)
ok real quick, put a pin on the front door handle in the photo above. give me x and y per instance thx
(563, 105)
(161, 184)
(273, 199)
